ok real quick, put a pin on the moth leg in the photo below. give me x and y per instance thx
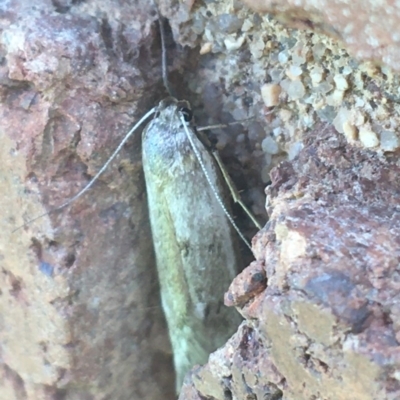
(218, 126)
(232, 188)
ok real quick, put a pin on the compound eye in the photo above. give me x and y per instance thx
(187, 114)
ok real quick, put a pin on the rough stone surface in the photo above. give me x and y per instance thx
(326, 326)
(248, 284)
(239, 53)
(332, 238)
(80, 314)
(368, 29)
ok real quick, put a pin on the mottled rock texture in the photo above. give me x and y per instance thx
(288, 80)
(369, 29)
(321, 329)
(80, 316)
(326, 326)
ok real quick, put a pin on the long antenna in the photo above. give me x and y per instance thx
(213, 188)
(94, 179)
(163, 52)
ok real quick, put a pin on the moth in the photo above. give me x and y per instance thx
(195, 246)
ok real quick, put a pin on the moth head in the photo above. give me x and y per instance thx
(187, 113)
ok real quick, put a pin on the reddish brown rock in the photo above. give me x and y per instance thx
(246, 285)
(80, 313)
(236, 370)
(328, 319)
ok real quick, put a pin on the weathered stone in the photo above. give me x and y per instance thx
(318, 80)
(236, 370)
(246, 285)
(367, 28)
(330, 247)
(80, 313)
(328, 316)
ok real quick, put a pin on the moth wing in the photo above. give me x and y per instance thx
(194, 245)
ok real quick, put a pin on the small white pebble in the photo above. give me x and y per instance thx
(270, 146)
(293, 72)
(342, 116)
(318, 51)
(285, 115)
(247, 25)
(239, 114)
(270, 93)
(257, 48)
(396, 374)
(277, 131)
(233, 44)
(359, 118)
(283, 57)
(360, 102)
(324, 87)
(336, 98)
(206, 48)
(347, 70)
(208, 35)
(276, 74)
(350, 131)
(368, 137)
(294, 89)
(316, 75)
(341, 82)
(308, 119)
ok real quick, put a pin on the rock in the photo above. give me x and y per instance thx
(326, 324)
(368, 30)
(79, 293)
(232, 371)
(286, 79)
(246, 285)
(270, 94)
(81, 316)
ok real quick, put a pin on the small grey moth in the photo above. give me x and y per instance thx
(195, 247)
